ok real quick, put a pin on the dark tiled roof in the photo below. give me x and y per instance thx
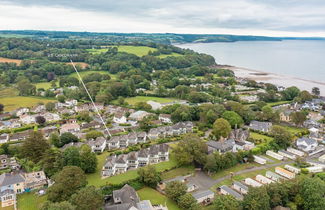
(9, 179)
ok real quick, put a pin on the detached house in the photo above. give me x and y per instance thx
(285, 115)
(119, 118)
(35, 180)
(306, 144)
(13, 182)
(97, 145)
(165, 118)
(260, 126)
(70, 127)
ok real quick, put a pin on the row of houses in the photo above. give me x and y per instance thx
(117, 164)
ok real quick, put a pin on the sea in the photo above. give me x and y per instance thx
(303, 59)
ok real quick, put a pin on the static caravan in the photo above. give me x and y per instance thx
(274, 155)
(259, 160)
(292, 169)
(240, 187)
(316, 163)
(225, 190)
(273, 176)
(315, 169)
(295, 151)
(252, 182)
(263, 179)
(205, 197)
(287, 154)
(285, 173)
(322, 158)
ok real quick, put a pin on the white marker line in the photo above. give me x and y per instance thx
(92, 101)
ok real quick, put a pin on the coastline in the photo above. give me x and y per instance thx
(276, 79)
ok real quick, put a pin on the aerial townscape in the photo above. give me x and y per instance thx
(162, 105)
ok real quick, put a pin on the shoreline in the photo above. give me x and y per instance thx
(276, 79)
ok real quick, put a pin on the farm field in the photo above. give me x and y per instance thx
(136, 50)
(83, 65)
(8, 92)
(44, 85)
(30, 201)
(9, 60)
(155, 197)
(84, 73)
(134, 100)
(12, 103)
(167, 55)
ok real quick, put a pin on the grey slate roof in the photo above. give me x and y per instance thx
(9, 179)
(308, 141)
(232, 192)
(241, 185)
(200, 194)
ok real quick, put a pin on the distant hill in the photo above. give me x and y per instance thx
(164, 38)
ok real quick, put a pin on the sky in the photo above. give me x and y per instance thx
(241, 17)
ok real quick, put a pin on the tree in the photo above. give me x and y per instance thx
(40, 120)
(315, 91)
(52, 162)
(268, 114)
(313, 192)
(66, 138)
(304, 96)
(221, 128)
(190, 149)
(88, 159)
(88, 198)
(64, 205)
(84, 116)
(143, 106)
(61, 98)
(233, 118)
(226, 202)
(149, 176)
(257, 199)
(49, 106)
(290, 93)
(282, 137)
(34, 147)
(66, 183)
(298, 118)
(187, 201)
(175, 189)
(1, 108)
(71, 157)
(145, 124)
(26, 88)
(93, 134)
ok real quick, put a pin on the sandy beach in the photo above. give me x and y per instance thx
(277, 79)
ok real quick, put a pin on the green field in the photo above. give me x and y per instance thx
(30, 201)
(155, 197)
(134, 100)
(136, 50)
(234, 169)
(8, 92)
(258, 136)
(84, 73)
(294, 130)
(96, 179)
(177, 172)
(12, 103)
(45, 85)
(172, 54)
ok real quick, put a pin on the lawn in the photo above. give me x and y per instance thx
(258, 136)
(134, 100)
(96, 179)
(294, 130)
(136, 50)
(84, 73)
(177, 172)
(30, 201)
(44, 85)
(12, 103)
(155, 197)
(8, 92)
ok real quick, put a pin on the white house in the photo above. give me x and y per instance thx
(119, 118)
(70, 127)
(205, 197)
(22, 111)
(306, 144)
(287, 154)
(97, 145)
(274, 155)
(315, 169)
(165, 118)
(322, 158)
(273, 176)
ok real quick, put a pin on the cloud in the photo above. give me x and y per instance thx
(260, 17)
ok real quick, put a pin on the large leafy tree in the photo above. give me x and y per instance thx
(298, 118)
(257, 199)
(281, 136)
(64, 205)
(221, 128)
(175, 189)
(313, 193)
(88, 159)
(290, 93)
(226, 202)
(52, 161)
(149, 176)
(35, 146)
(66, 183)
(88, 198)
(233, 118)
(187, 201)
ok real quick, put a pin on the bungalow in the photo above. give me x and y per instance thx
(225, 190)
(260, 126)
(273, 176)
(287, 154)
(47, 131)
(221, 146)
(119, 118)
(285, 173)
(165, 118)
(252, 182)
(240, 187)
(19, 136)
(306, 144)
(22, 111)
(139, 115)
(70, 127)
(321, 158)
(264, 180)
(315, 163)
(274, 155)
(93, 124)
(204, 197)
(292, 169)
(27, 119)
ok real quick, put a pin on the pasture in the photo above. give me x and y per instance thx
(9, 60)
(12, 103)
(136, 99)
(136, 50)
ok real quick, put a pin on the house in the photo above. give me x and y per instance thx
(19, 136)
(165, 118)
(274, 155)
(221, 146)
(93, 124)
(7, 162)
(184, 179)
(315, 163)
(273, 176)
(306, 144)
(285, 173)
(5, 116)
(139, 115)
(295, 151)
(47, 131)
(264, 180)
(292, 169)
(119, 118)
(155, 105)
(22, 111)
(252, 182)
(239, 135)
(259, 160)
(204, 197)
(7, 198)
(12, 181)
(225, 190)
(70, 127)
(240, 187)
(27, 119)
(4, 138)
(285, 115)
(260, 126)
(287, 154)
(97, 145)
(35, 180)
